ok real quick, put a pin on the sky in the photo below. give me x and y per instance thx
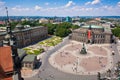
(60, 7)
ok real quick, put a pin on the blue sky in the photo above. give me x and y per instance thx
(61, 7)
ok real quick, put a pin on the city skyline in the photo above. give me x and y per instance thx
(61, 8)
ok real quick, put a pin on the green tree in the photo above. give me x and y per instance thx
(75, 27)
(13, 24)
(116, 32)
(51, 28)
(65, 25)
(62, 32)
(117, 25)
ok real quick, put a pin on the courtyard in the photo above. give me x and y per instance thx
(69, 60)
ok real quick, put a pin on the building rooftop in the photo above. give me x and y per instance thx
(85, 28)
(92, 26)
(107, 28)
(6, 62)
(29, 28)
(29, 58)
(80, 30)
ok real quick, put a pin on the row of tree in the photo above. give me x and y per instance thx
(62, 29)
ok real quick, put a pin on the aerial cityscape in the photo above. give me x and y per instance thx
(60, 40)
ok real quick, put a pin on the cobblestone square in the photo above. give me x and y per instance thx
(68, 59)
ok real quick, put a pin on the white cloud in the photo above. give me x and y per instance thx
(2, 3)
(38, 7)
(93, 2)
(19, 8)
(69, 4)
(47, 3)
(118, 4)
(87, 3)
(108, 8)
(79, 8)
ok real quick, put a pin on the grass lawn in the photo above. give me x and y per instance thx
(51, 41)
(34, 51)
(48, 42)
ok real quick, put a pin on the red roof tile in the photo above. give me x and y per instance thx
(6, 63)
(2, 22)
(9, 78)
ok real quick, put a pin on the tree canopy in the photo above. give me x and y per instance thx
(62, 29)
(116, 31)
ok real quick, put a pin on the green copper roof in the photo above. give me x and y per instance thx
(92, 26)
(29, 58)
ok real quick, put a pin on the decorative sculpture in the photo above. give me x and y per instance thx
(83, 50)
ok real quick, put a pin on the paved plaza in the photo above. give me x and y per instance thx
(64, 61)
(68, 59)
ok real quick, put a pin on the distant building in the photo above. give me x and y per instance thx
(68, 19)
(2, 22)
(27, 35)
(58, 20)
(76, 19)
(51, 21)
(98, 19)
(22, 19)
(43, 20)
(94, 22)
(76, 23)
(92, 34)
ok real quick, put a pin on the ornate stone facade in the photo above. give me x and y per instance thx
(92, 34)
(27, 36)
